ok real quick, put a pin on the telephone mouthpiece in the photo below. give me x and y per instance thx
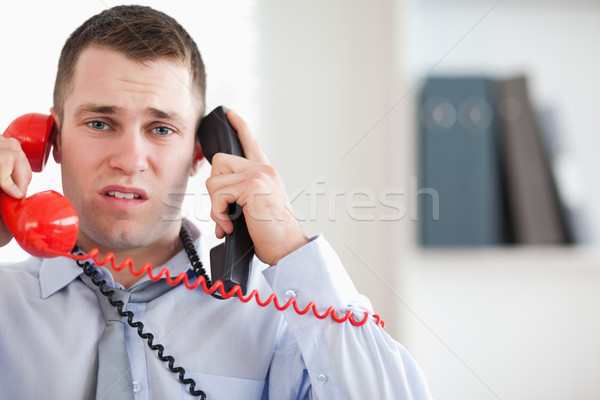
(45, 225)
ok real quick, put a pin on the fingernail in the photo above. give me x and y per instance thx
(14, 191)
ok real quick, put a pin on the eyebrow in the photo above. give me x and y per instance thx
(98, 109)
(114, 110)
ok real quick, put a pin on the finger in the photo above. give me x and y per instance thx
(222, 199)
(22, 173)
(233, 166)
(228, 169)
(222, 178)
(219, 232)
(223, 163)
(15, 171)
(223, 224)
(225, 189)
(252, 150)
(6, 182)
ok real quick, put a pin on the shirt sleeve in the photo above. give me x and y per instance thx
(335, 360)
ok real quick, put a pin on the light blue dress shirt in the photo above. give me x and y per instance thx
(51, 322)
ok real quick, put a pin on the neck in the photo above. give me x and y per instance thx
(156, 254)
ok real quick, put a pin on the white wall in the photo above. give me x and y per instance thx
(511, 323)
(491, 324)
(328, 110)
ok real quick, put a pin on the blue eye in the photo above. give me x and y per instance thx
(162, 130)
(98, 125)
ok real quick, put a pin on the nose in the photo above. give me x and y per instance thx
(130, 153)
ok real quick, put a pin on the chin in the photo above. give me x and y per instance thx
(116, 237)
(127, 234)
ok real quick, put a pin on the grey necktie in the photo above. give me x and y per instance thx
(114, 380)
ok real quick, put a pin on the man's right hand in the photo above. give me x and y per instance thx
(15, 176)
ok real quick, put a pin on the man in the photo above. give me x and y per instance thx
(128, 99)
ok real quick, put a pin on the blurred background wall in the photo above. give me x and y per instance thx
(330, 89)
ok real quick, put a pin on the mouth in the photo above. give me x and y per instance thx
(124, 193)
(121, 195)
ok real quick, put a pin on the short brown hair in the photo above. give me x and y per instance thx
(140, 33)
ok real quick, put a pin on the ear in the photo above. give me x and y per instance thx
(56, 145)
(198, 160)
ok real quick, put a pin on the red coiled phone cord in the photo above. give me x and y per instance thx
(218, 287)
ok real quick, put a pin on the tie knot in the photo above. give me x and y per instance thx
(140, 293)
(119, 299)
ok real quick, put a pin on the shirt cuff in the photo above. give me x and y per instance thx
(315, 273)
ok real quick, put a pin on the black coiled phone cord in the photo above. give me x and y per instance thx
(190, 249)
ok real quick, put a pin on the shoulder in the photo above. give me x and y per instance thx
(18, 274)
(30, 266)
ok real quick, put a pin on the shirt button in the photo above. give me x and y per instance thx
(136, 386)
(322, 378)
(289, 294)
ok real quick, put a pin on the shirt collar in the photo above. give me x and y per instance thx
(56, 273)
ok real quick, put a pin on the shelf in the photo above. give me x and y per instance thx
(580, 256)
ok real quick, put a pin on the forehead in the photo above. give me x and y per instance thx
(105, 76)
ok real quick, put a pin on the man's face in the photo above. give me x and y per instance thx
(127, 142)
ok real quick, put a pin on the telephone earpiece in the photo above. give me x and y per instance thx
(36, 133)
(46, 223)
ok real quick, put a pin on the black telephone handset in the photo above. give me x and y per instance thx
(229, 261)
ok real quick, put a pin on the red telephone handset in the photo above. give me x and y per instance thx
(46, 223)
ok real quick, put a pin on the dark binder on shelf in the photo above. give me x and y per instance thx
(460, 197)
(535, 210)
